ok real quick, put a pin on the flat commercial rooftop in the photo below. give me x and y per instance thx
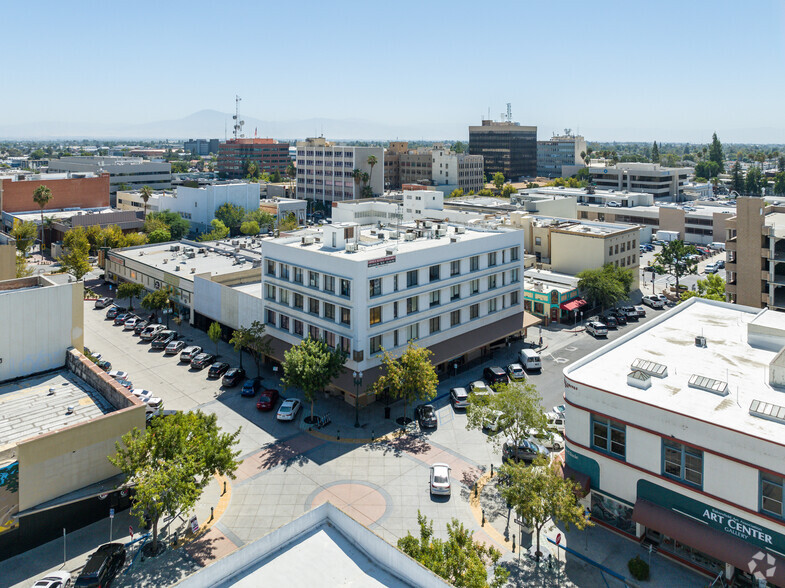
(669, 340)
(39, 405)
(254, 289)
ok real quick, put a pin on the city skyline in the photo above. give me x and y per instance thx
(665, 72)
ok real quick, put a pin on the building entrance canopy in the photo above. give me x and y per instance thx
(573, 304)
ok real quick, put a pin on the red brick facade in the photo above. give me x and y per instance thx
(66, 193)
(268, 154)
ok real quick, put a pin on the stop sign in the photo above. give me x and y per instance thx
(558, 538)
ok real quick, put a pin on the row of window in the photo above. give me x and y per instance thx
(319, 281)
(314, 306)
(630, 245)
(299, 328)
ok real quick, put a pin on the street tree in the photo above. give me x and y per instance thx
(231, 215)
(459, 559)
(521, 410)
(538, 493)
(737, 178)
(249, 228)
(673, 259)
(712, 288)
(372, 161)
(261, 218)
(25, 233)
(716, 154)
(508, 190)
(145, 193)
(311, 366)
(754, 181)
(41, 196)
(253, 340)
(155, 301)
(707, 169)
(605, 286)
(23, 270)
(498, 180)
(779, 184)
(129, 290)
(288, 222)
(177, 225)
(410, 377)
(215, 332)
(220, 231)
(76, 251)
(171, 463)
(655, 153)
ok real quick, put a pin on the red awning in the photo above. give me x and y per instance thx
(580, 478)
(573, 304)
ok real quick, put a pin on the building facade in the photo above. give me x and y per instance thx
(392, 164)
(77, 190)
(679, 429)
(506, 147)
(639, 177)
(201, 147)
(234, 155)
(461, 170)
(560, 152)
(124, 172)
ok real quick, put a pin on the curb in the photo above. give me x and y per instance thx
(218, 511)
(355, 440)
(474, 504)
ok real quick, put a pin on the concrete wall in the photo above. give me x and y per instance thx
(40, 320)
(750, 220)
(7, 261)
(215, 298)
(66, 193)
(200, 203)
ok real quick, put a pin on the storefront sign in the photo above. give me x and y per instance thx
(381, 261)
(736, 526)
(117, 260)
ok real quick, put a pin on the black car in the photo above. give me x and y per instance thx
(163, 339)
(217, 370)
(495, 375)
(141, 325)
(426, 416)
(609, 321)
(251, 386)
(233, 377)
(114, 311)
(104, 365)
(621, 318)
(102, 567)
(202, 360)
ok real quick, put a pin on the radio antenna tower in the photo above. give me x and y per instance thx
(238, 124)
(509, 112)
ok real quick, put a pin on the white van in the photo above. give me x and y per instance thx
(717, 246)
(530, 359)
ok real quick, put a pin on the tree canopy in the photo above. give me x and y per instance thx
(521, 410)
(177, 225)
(753, 182)
(715, 153)
(25, 234)
(410, 377)
(253, 340)
(673, 259)
(737, 178)
(157, 300)
(707, 169)
(605, 286)
(220, 231)
(76, 250)
(232, 216)
(712, 288)
(311, 366)
(498, 180)
(129, 290)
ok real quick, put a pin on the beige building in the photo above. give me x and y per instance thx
(755, 245)
(569, 246)
(7, 257)
(639, 177)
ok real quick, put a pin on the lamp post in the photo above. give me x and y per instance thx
(358, 381)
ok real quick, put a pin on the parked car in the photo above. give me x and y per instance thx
(720, 263)
(479, 388)
(102, 302)
(662, 298)
(141, 325)
(440, 479)
(130, 323)
(267, 400)
(613, 204)
(493, 421)
(596, 329)
(641, 311)
(119, 318)
(289, 409)
(459, 397)
(119, 375)
(174, 347)
(163, 339)
(426, 416)
(530, 360)
(57, 579)
(94, 354)
(232, 377)
(202, 360)
(125, 384)
(190, 352)
(114, 311)
(516, 372)
(560, 409)
(150, 332)
(102, 567)
(104, 365)
(495, 375)
(609, 320)
(711, 268)
(251, 386)
(653, 301)
(140, 393)
(629, 312)
(548, 439)
(525, 450)
(217, 369)
(555, 421)
(620, 317)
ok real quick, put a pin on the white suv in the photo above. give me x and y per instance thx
(653, 301)
(597, 329)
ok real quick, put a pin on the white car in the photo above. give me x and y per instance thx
(550, 439)
(130, 324)
(150, 332)
(58, 579)
(516, 372)
(190, 352)
(459, 397)
(141, 393)
(555, 421)
(119, 375)
(613, 204)
(479, 388)
(153, 403)
(560, 409)
(440, 479)
(653, 301)
(493, 420)
(597, 329)
(289, 409)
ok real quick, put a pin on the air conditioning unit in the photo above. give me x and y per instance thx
(700, 341)
(307, 240)
(141, 253)
(460, 230)
(351, 247)
(393, 234)
(454, 239)
(166, 260)
(193, 270)
(409, 237)
(235, 242)
(177, 268)
(390, 251)
(428, 224)
(441, 232)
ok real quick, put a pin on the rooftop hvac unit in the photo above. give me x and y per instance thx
(141, 253)
(408, 237)
(390, 251)
(460, 230)
(177, 268)
(193, 270)
(393, 234)
(454, 239)
(441, 232)
(700, 341)
(166, 260)
(351, 247)
(307, 240)
(174, 248)
(202, 250)
(428, 224)
(256, 263)
(235, 242)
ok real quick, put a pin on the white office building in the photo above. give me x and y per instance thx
(134, 172)
(457, 171)
(451, 289)
(639, 177)
(679, 429)
(560, 156)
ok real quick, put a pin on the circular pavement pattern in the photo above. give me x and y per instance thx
(359, 500)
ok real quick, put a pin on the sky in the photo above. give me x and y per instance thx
(612, 70)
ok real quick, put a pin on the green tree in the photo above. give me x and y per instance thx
(459, 147)
(251, 169)
(459, 559)
(781, 163)
(170, 464)
(25, 233)
(288, 223)
(655, 153)
(372, 161)
(538, 493)
(411, 376)
(253, 340)
(779, 183)
(737, 178)
(231, 215)
(716, 154)
(275, 177)
(485, 192)
(132, 239)
(178, 226)
(41, 196)
(498, 180)
(707, 169)
(508, 190)
(129, 290)
(249, 228)
(215, 332)
(76, 250)
(179, 167)
(145, 194)
(23, 270)
(261, 218)
(311, 366)
(220, 231)
(712, 288)
(521, 410)
(158, 300)
(357, 176)
(457, 193)
(673, 259)
(605, 286)
(159, 236)
(291, 170)
(754, 181)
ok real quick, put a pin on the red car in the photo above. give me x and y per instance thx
(267, 400)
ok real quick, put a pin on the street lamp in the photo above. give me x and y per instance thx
(358, 381)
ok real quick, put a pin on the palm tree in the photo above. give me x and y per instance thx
(371, 162)
(41, 197)
(145, 193)
(357, 175)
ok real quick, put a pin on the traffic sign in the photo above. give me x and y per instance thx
(558, 538)
(194, 525)
(111, 513)
(131, 531)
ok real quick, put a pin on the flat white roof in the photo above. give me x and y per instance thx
(728, 357)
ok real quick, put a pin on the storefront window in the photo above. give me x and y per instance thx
(612, 512)
(691, 555)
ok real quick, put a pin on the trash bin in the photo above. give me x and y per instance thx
(387, 412)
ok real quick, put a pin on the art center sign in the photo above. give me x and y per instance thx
(736, 526)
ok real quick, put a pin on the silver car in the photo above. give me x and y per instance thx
(459, 397)
(440, 479)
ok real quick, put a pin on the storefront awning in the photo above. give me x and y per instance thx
(699, 536)
(573, 304)
(582, 479)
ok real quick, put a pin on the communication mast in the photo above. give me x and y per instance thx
(238, 124)
(509, 112)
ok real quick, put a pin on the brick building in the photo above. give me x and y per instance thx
(269, 154)
(68, 191)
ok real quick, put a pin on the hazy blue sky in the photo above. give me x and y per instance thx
(625, 70)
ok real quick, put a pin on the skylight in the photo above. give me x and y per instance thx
(708, 384)
(650, 367)
(765, 410)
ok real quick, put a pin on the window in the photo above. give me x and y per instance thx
(433, 273)
(283, 296)
(329, 284)
(771, 494)
(376, 344)
(435, 325)
(395, 338)
(608, 436)
(610, 250)
(435, 298)
(313, 279)
(329, 311)
(375, 287)
(346, 344)
(492, 305)
(682, 462)
(298, 301)
(298, 328)
(474, 311)
(298, 275)
(514, 298)
(491, 259)
(492, 282)
(329, 338)
(346, 288)
(395, 309)
(270, 317)
(269, 292)
(376, 315)
(474, 263)
(270, 267)
(617, 249)
(411, 305)
(455, 292)
(283, 321)
(455, 318)
(413, 332)
(313, 332)
(345, 316)
(395, 283)
(474, 287)
(515, 254)
(411, 278)
(538, 240)
(455, 268)
(515, 275)
(313, 306)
